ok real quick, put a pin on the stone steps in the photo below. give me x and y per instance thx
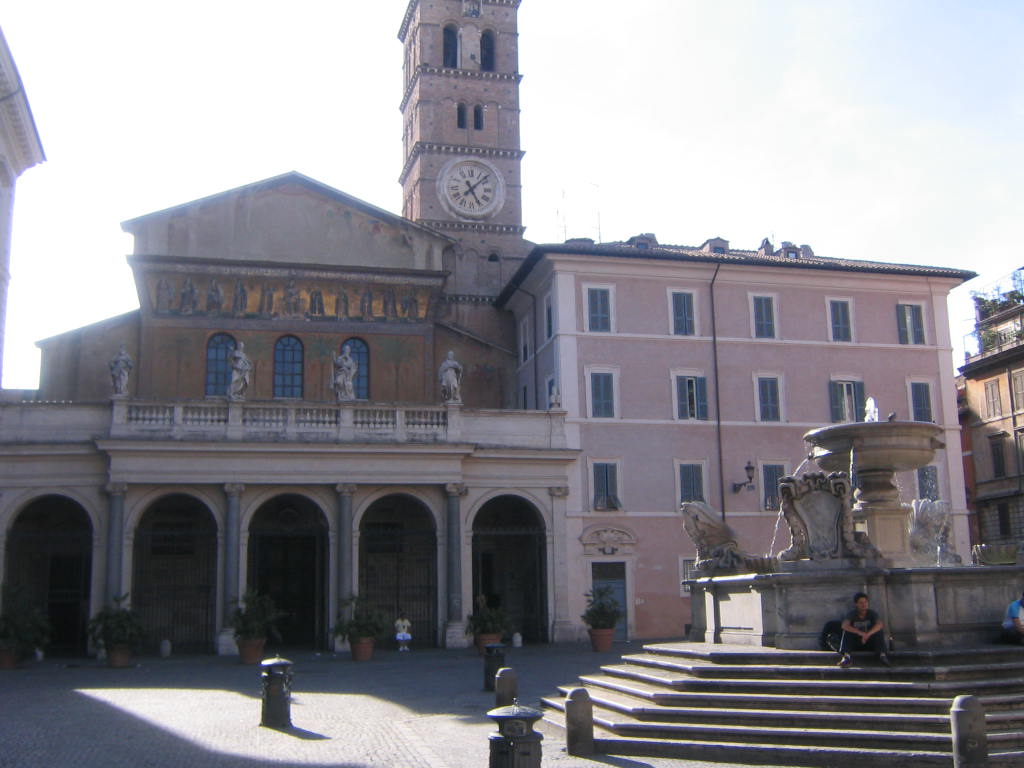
(796, 707)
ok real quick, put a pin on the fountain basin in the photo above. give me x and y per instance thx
(895, 446)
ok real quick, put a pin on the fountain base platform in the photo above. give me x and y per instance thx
(952, 606)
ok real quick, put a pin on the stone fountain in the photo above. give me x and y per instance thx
(898, 553)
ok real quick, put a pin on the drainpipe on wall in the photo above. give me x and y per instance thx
(718, 402)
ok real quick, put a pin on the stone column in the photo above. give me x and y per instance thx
(232, 533)
(565, 627)
(455, 625)
(115, 539)
(344, 588)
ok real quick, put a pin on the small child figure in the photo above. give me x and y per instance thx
(402, 627)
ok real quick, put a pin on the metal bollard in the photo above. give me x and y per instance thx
(277, 693)
(494, 659)
(579, 722)
(970, 738)
(516, 744)
(505, 685)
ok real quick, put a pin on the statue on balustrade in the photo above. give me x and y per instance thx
(450, 377)
(345, 369)
(120, 367)
(241, 372)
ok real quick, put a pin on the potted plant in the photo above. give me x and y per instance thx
(118, 630)
(487, 625)
(23, 628)
(602, 614)
(253, 620)
(365, 624)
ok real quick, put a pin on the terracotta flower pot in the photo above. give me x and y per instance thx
(362, 648)
(482, 640)
(119, 656)
(250, 649)
(601, 639)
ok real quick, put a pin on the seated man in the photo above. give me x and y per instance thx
(1013, 622)
(862, 631)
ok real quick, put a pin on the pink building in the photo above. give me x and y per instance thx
(684, 370)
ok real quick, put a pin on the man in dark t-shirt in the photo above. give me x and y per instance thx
(862, 631)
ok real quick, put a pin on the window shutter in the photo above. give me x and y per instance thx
(702, 398)
(917, 323)
(835, 398)
(859, 399)
(901, 323)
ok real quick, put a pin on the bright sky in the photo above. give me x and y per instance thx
(880, 129)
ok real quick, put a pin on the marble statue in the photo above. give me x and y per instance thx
(345, 369)
(928, 527)
(241, 372)
(718, 551)
(120, 367)
(450, 377)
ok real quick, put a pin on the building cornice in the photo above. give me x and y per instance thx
(462, 74)
(473, 226)
(423, 147)
(18, 133)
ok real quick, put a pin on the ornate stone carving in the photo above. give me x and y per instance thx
(817, 509)
(456, 489)
(928, 527)
(718, 550)
(346, 489)
(558, 491)
(116, 489)
(449, 375)
(234, 489)
(607, 540)
(120, 367)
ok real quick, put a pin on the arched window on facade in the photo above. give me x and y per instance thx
(487, 51)
(288, 367)
(478, 118)
(218, 364)
(451, 47)
(460, 116)
(361, 354)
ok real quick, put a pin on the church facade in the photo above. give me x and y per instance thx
(317, 398)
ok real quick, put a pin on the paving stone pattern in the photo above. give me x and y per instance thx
(424, 709)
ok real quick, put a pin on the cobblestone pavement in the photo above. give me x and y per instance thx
(424, 709)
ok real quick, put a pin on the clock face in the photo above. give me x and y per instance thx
(471, 188)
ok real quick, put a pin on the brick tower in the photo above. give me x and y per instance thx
(460, 109)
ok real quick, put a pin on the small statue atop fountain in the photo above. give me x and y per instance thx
(718, 551)
(928, 528)
(870, 410)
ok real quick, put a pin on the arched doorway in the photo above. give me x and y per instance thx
(174, 581)
(288, 561)
(398, 563)
(49, 555)
(509, 564)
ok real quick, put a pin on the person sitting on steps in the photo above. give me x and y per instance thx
(1013, 623)
(862, 631)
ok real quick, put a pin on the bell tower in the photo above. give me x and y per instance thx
(460, 111)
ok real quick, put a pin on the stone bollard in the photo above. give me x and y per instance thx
(494, 659)
(277, 693)
(505, 685)
(579, 722)
(970, 738)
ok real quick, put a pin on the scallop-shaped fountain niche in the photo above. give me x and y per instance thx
(873, 452)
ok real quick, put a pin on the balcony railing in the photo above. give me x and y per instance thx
(987, 343)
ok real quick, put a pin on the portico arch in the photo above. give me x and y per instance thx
(509, 563)
(174, 573)
(49, 554)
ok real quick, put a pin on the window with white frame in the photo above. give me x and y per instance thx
(599, 309)
(846, 400)
(601, 386)
(605, 476)
(691, 482)
(769, 407)
(763, 309)
(840, 323)
(691, 395)
(993, 402)
(921, 401)
(910, 323)
(682, 314)
(770, 476)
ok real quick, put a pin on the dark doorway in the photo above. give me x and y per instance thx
(49, 555)
(509, 563)
(398, 563)
(288, 561)
(613, 576)
(174, 581)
